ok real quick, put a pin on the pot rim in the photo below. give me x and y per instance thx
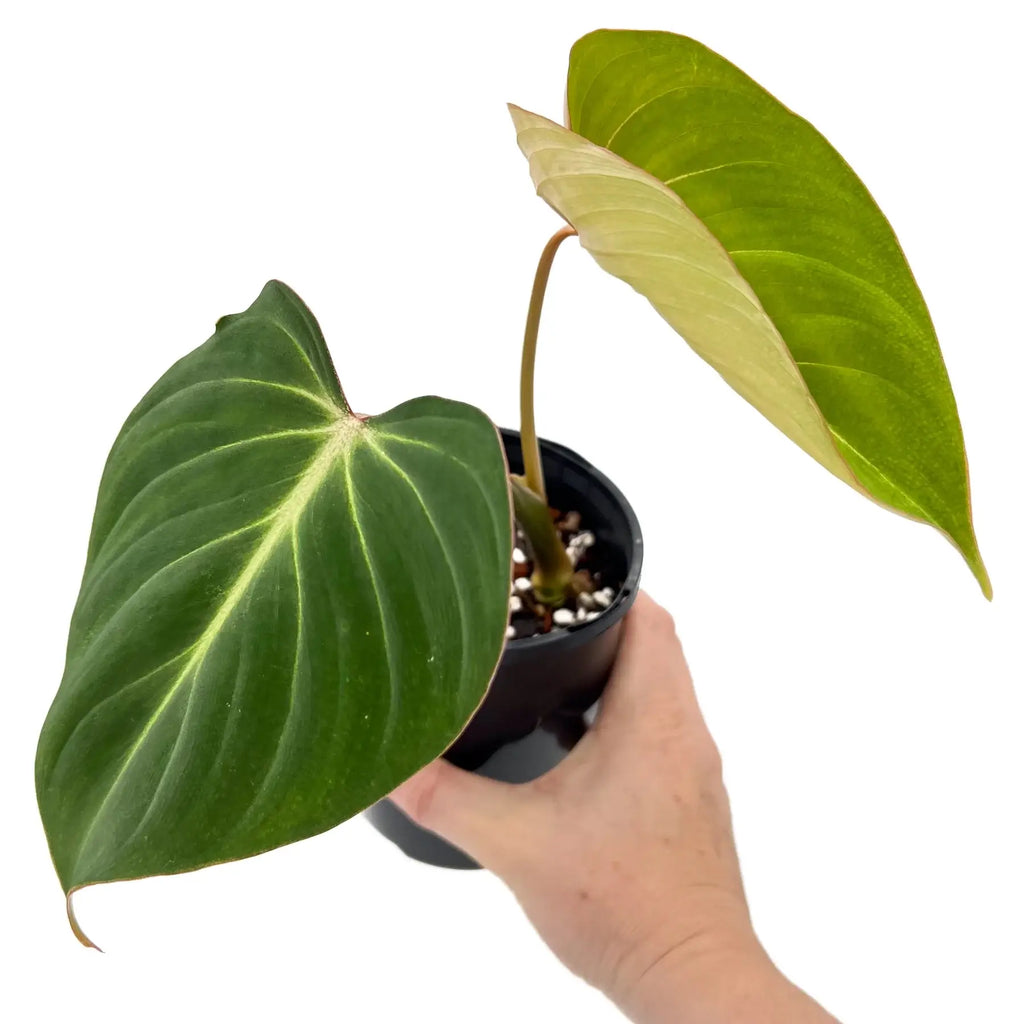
(630, 585)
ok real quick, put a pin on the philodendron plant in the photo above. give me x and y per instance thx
(288, 608)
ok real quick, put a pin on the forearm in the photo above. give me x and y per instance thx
(740, 987)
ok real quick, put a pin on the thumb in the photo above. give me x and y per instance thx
(490, 821)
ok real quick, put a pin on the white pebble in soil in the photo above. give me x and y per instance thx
(563, 617)
(515, 603)
(585, 601)
(578, 545)
(510, 632)
(523, 584)
(519, 556)
(601, 599)
(593, 615)
(581, 614)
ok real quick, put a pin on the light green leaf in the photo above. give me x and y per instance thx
(638, 230)
(287, 609)
(758, 244)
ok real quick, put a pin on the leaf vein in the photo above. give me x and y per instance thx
(888, 479)
(456, 580)
(722, 167)
(273, 768)
(662, 95)
(856, 369)
(392, 681)
(862, 282)
(283, 516)
(300, 432)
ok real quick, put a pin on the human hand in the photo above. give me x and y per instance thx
(623, 856)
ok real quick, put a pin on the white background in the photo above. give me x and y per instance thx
(162, 161)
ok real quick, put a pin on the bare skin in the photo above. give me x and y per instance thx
(623, 856)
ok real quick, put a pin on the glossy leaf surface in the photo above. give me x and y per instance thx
(286, 610)
(807, 308)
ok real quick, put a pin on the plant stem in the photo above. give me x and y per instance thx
(552, 570)
(528, 428)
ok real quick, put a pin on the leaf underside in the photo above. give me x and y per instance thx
(756, 241)
(286, 609)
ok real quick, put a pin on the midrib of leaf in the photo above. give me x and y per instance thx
(283, 520)
(271, 772)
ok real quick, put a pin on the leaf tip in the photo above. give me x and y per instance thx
(967, 544)
(981, 575)
(76, 928)
(968, 548)
(516, 113)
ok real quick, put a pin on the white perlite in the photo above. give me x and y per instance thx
(523, 584)
(515, 603)
(575, 548)
(519, 556)
(510, 633)
(602, 599)
(563, 617)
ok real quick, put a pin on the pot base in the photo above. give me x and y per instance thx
(520, 761)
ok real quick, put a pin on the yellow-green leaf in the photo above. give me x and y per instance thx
(753, 238)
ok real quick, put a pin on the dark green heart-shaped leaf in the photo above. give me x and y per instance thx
(287, 609)
(755, 240)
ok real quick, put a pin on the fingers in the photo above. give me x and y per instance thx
(649, 703)
(501, 825)
(650, 665)
(491, 821)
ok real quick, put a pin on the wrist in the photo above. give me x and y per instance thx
(696, 979)
(717, 978)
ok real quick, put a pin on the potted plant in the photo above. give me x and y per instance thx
(289, 607)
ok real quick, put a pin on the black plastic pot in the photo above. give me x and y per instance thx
(537, 707)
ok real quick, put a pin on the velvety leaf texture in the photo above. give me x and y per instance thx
(287, 609)
(816, 254)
